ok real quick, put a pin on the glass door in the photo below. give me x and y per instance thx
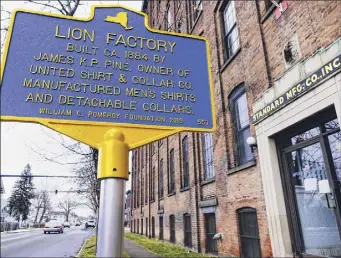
(312, 168)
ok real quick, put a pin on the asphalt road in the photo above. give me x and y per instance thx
(38, 244)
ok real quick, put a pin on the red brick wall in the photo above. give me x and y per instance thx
(315, 22)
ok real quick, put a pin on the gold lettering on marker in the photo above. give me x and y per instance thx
(76, 34)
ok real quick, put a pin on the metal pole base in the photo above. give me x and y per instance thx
(110, 241)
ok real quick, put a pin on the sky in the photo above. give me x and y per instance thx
(23, 143)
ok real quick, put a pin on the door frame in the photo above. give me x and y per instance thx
(316, 120)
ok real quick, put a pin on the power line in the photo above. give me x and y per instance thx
(38, 176)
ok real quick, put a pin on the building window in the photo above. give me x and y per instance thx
(142, 188)
(169, 19)
(197, 8)
(240, 118)
(135, 162)
(188, 230)
(153, 227)
(138, 224)
(210, 228)
(146, 190)
(153, 148)
(161, 228)
(269, 4)
(231, 35)
(152, 196)
(207, 148)
(172, 228)
(141, 226)
(179, 27)
(161, 179)
(185, 162)
(171, 186)
(138, 191)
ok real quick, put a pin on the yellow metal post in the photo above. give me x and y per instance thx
(113, 172)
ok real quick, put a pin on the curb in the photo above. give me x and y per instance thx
(82, 247)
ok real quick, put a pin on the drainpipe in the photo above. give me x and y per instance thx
(196, 191)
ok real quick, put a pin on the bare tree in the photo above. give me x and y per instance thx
(68, 206)
(38, 204)
(85, 157)
(46, 204)
(67, 7)
(88, 185)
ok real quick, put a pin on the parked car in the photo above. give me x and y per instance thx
(78, 223)
(66, 224)
(54, 226)
(90, 223)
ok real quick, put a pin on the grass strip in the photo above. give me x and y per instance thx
(89, 249)
(163, 249)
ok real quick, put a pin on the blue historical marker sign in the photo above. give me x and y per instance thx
(108, 69)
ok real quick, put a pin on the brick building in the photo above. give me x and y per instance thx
(278, 63)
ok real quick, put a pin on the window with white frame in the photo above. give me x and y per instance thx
(207, 149)
(231, 35)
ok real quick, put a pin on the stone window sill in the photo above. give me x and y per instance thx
(171, 194)
(242, 167)
(228, 61)
(184, 189)
(208, 181)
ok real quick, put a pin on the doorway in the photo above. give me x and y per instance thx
(311, 173)
(210, 226)
(249, 233)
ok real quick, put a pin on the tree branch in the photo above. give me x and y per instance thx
(47, 5)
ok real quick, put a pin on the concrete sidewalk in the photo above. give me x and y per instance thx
(135, 250)
(21, 230)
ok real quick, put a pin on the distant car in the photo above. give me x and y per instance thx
(54, 226)
(90, 224)
(78, 223)
(66, 224)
